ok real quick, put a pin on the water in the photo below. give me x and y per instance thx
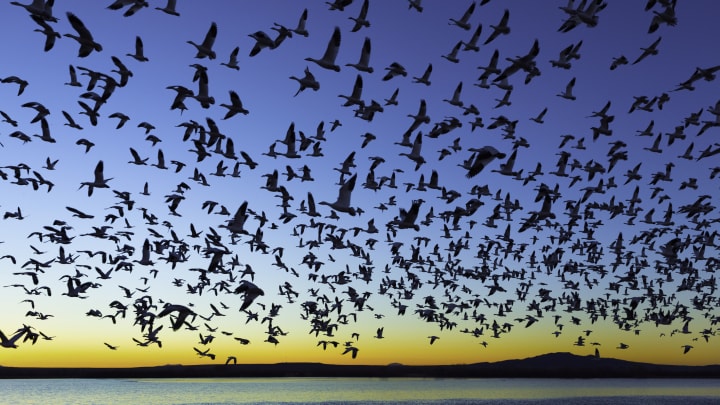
(359, 390)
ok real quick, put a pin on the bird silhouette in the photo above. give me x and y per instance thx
(204, 49)
(331, 51)
(83, 37)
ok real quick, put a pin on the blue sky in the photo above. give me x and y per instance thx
(586, 247)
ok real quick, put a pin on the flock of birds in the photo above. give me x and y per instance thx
(391, 237)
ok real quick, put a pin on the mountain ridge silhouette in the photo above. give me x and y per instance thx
(550, 365)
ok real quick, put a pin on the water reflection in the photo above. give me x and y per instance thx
(349, 390)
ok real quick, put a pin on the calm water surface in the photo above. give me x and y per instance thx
(359, 390)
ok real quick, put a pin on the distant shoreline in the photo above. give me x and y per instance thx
(554, 365)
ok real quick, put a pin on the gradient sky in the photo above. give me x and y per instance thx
(646, 281)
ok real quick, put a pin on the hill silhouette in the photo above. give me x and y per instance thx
(552, 365)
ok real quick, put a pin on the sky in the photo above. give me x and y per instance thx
(608, 251)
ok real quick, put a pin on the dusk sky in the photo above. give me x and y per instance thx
(590, 223)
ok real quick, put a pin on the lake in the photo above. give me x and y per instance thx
(359, 390)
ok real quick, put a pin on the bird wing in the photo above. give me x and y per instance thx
(333, 46)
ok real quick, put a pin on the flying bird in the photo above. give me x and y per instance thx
(328, 59)
(204, 49)
(83, 37)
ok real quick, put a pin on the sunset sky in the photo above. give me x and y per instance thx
(634, 284)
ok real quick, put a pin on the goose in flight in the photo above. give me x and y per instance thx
(8, 119)
(75, 287)
(99, 180)
(618, 61)
(45, 132)
(300, 29)
(235, 106)
(393, 98)
(361, 20)
(328, 59)
(50, 164)
(395, 69)
(363, 63)
(347, 164)
(414, 154)
(452, 56)
(86, 143)
(567, 55)
(425, 78)
(463, 21)
(415, 5)
(139, 54)
(407, 218)
(455, 100)
(490, 69)
(73, 77)
(39, 8)
(501, 29)
(204, 49)
(250, 292)
(10, 342)
(306, 82)
(180, 312)
(568, 92)
(237, 223)
(418, 119)
(472, 45)
(91, 112)
(169, 8)
(137, 160)
(122, 119)
(22, 84)
(352, 350)
(667, 16)
(203, 96)
(70, 121)
(50, 34)
(342, 204)
(83, 37)
(525, 63)
(540, 117)
(483, 157)
(649, 51)
(205, 353)
(135, 6)
(339, 4)
(356, 97)
(262, 41)
(232, 63)
(506, 168)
